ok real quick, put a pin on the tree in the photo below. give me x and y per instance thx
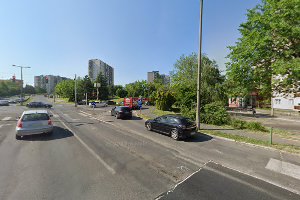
(85, 86)
(66, 89)
(39, 90)
(103, 90)
(269, 47)
(184, 83)
(29, 89)
(136, 89)
(121, 92)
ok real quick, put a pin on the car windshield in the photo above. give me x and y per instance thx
(35, 117)
(125, 109)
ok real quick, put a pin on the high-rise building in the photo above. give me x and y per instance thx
(96, 66)
(151, 76)
(47, 82)
(165, 79)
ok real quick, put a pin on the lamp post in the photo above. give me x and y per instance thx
(21, 99)
(199, 68)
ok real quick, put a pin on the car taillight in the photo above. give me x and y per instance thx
(50, 122)
(20, 124)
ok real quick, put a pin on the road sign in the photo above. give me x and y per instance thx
(97, 85)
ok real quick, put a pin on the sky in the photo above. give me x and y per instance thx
(58, 37)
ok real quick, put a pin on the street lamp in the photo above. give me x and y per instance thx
(21, 99)
(199, 68)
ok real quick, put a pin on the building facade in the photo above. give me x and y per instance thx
(48, 82)
(96, 66)
(151, 76)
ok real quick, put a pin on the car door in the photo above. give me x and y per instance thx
(161, 126)
(170, 124)
(155, 123)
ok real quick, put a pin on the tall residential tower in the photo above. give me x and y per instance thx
(96, 66)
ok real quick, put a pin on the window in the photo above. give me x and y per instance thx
(277, 101)
(291, 101)
(35, 117)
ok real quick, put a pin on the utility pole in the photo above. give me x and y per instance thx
(75, 91)
(21, 99)
(199, 68)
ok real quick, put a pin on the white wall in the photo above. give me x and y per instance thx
(283, 103)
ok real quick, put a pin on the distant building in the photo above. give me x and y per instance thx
(151, 76)
(96, 66)
(41, 82)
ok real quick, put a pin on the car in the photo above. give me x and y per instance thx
(176, 126)
(12, 101)
(96, 104)
(121, 112)
(38, 105)
(34, 122)
(4, 103)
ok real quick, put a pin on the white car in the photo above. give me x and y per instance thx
(34, 122)
(97, 104)
(4, 103)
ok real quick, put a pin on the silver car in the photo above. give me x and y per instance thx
(34, 122)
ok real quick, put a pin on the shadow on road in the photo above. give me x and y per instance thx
(199, 137)
(58, 133)
(135, 118)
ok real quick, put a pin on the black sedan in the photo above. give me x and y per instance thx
(121, 112)
(178, 127)
(38, 105)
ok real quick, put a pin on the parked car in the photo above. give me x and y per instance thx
(82, 102)
(38, 105)
(4, 103)
(12, 101)
(111, 102)
(176, 126)
(97, 104)
(34, 122)
(121, 112)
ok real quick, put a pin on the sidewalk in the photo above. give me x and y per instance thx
(278, 139)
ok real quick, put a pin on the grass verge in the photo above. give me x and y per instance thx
(238, 138)
(161, 112)
(63, 101)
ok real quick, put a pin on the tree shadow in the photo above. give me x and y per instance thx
(198, 137)
(133, 118)
(58, 133)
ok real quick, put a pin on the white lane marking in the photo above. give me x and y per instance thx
(89, 149)
(83, 114)
(6, 118)
(285, 168)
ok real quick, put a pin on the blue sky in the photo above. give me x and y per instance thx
(58, 37)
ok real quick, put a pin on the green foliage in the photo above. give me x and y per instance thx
(184, 83)
(164, 100)
(65, 89)
(103, 90)
(238, 124)
(39, 90)
(215, 113)
(269, 46)
(136, 89)
(29, 89)
(121, 92)
(9, 88)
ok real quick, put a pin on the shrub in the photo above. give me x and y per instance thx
(164, 100)
(215, 113)
(190, 113)
(237, 124)
(256, 126)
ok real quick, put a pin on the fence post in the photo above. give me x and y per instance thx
(271, 135)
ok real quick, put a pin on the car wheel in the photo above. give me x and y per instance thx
(149, 127)
(175, 134)
(18, 137)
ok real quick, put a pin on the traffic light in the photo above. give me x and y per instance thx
(46, 79)
(14, 78)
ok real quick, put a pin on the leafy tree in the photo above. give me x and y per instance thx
(66, 89)
(121, 92)
(164, 99)
(85, 86)
(136, 89)
(103, 90)
(269, 46)
(29, 89)
(39, 90)
(184, 83)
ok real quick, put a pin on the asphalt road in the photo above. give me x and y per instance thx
(92, 155)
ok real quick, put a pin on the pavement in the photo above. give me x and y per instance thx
(92, 155)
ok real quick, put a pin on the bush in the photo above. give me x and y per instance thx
(215, 113)
(238, 124)
(164, 100)
(256, 126)
(190, 113)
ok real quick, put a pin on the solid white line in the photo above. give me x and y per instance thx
(85, 112)
(285, 168)
(90, 150)
(290, 120)
(6, 118)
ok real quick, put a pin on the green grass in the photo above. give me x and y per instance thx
(143, 116)
(118, 100)
(161, 112)
(238, 138)
(63, 101)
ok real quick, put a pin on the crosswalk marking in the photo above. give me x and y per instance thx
(6, 118)
(286, 168)
(83, 114)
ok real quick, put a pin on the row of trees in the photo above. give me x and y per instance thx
(10, 88)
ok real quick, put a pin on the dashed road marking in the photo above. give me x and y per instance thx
(6, 118)
(109, 168)
(285, 168)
